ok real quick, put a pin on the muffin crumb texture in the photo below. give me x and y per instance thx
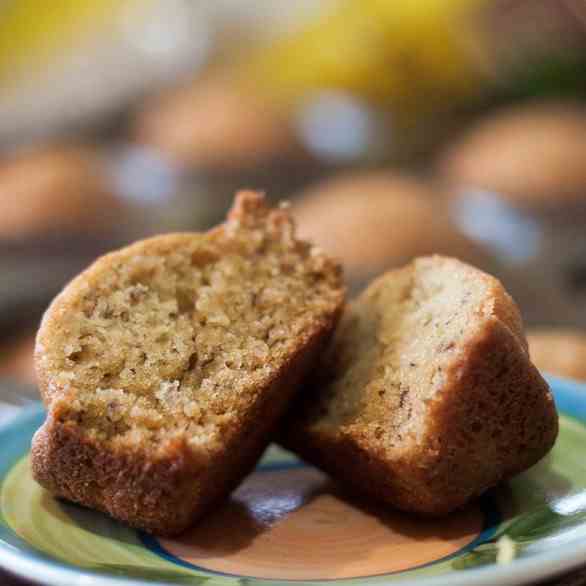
(177, 340)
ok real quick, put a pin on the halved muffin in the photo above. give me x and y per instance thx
(429, 395)
(165, 365)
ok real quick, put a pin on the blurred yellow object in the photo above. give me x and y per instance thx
(411, 56)
(32, 31)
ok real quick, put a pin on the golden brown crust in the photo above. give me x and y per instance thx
(163, 489)
(493, 418)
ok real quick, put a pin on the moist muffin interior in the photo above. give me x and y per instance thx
(178, 339)
(392, 351)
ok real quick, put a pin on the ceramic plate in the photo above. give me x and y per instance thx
(289, 522)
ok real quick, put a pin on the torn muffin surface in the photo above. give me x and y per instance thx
(177, 338)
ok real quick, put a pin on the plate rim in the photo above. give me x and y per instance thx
(560, 559)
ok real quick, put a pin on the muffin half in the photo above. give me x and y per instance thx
(429, 397)
(165, 365)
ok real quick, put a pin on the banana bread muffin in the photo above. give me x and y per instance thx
(431, 397)
(165, 365)
(16, 359)
(560, 351)
(55, 189)
(518, 185)
(375, 221)
(531, 155)
(216, 122)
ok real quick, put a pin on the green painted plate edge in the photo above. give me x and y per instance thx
(15, 439)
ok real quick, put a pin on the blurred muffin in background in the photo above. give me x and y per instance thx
(55, 190)
(374, 221)
(518, 181)
(215, 135)
(16, 359)
(217, 123)
(559, 351)
(532, 155)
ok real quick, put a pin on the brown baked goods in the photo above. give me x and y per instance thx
(165, 365)
(532, 155)
(560, 351)
(55, 188)
(217, 123)
(431, 397)
(16, 359)
(373, 221)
